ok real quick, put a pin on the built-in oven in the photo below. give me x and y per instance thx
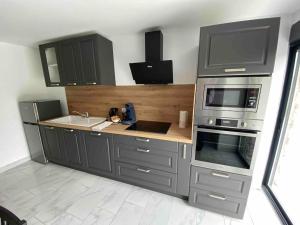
(225, 149)
(236, 102)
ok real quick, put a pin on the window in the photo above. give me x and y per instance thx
(282, 180)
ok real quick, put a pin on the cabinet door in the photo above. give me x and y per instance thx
(98, 150)
(68, 51)
(51, 143)
(88, 60)
(50, 64)
(71, 145)
(247, 47)
(184, 168)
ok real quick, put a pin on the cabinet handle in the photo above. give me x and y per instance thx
(219, 197)
(142, 139)
(54, 84)
(69, 130)
(50, 128)
(91, 83)
(184, 151)
(143, 150)
(230, 70)
(96, 134)
(143, 170)
(74, 84)
(223, 175)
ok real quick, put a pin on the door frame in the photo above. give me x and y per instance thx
(280, 129)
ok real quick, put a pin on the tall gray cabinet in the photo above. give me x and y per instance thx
(239, 48)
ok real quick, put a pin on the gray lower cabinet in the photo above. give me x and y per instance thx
(99, 153)
(146, 177)
(71, 146)
(146, 143)
(216, 202)
(239, 48)
(219, 191)
(184, 165)
(149, 156)
(51, 143)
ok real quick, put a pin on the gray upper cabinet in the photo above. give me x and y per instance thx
(86, 60)
(239, 48)
(69, 70)
(50, 63)
(98, 153)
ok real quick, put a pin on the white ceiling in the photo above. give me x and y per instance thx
(29, 22)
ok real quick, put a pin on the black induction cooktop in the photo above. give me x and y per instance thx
(150, 126)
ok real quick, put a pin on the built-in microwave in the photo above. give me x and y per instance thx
(236, 102)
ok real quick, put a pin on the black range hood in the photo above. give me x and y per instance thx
(154, 70)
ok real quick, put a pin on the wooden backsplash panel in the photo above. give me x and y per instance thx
(151, 102)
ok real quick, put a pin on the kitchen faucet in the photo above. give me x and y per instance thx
(84, 114)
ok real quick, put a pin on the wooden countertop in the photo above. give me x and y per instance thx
(184, 135)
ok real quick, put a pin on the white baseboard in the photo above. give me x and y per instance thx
(14, 164)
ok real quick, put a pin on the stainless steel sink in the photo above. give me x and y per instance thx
(78, 120)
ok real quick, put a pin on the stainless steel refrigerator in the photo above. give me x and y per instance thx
(31, 113)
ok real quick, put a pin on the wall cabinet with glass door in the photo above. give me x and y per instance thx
(86, 60)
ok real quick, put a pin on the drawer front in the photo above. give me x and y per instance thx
(221, 182)
(220, 203)
(148, 157)
(147, 177)
(146, 143)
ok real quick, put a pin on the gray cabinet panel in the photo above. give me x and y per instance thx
(71, 146)
(149, 157)
(184, 168)
(69, 70)
(220, 203)
(146, 177)
(141, 142)
(222, 182)
(87, 60)
(295, 33)
(98, 151)
(247, 47)
(51, 143)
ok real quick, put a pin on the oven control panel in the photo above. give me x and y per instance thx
(231, 123)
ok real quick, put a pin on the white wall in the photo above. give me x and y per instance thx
(180, 45)
(21, 78)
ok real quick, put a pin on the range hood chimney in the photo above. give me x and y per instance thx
(155, 70)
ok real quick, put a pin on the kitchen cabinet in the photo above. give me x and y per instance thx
(99, 153)
(51, 143)
(85, 60)
(184, 165)
(50, 63)
(69, 66)
(71, 146)
(219, 191)
(239, 48)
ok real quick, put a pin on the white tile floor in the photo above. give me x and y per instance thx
(57, 195)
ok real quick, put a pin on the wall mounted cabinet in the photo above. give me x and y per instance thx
(86, 60)
(239, 48)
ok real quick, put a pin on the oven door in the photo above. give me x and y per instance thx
(225, 150)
